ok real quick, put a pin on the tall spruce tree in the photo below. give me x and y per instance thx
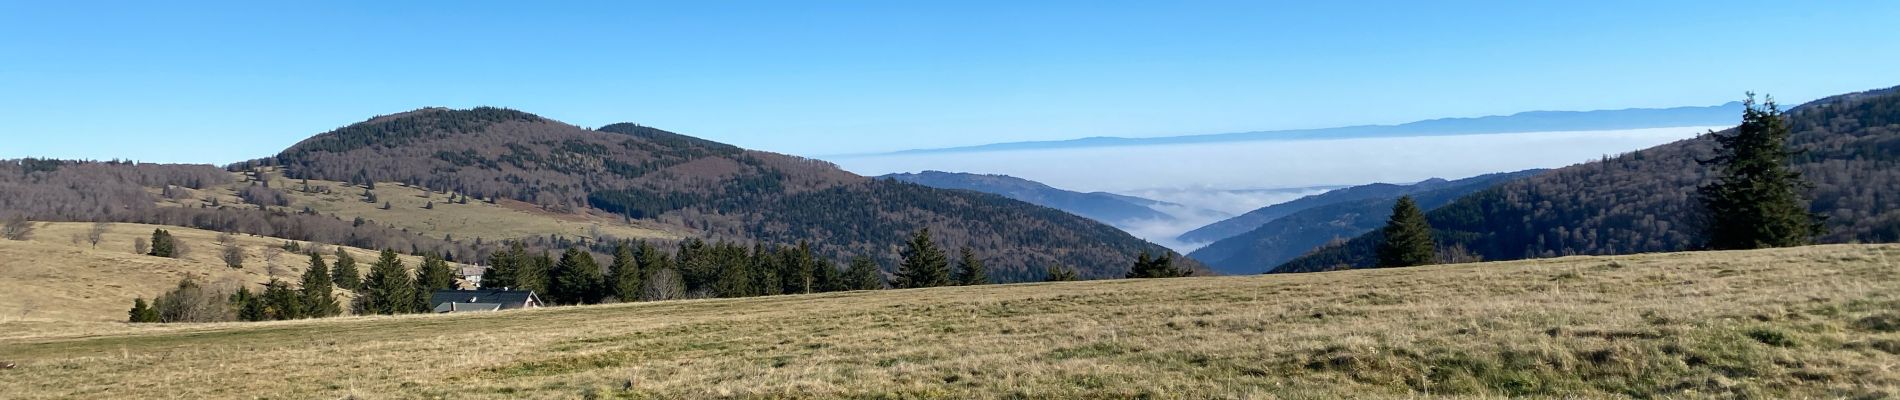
(1149, 266)
(577, 278)
(1407, 237)
(319, 299)
(281, 302)
(434, 274)
(924, 264)
(344, 272)
(1756, 199)
(970, 270)
(141, 313)
(163, 244)
(863, 274)
(503, 266)
(387, 289)
(624, 275)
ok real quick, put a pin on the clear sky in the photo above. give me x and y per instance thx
(220, 82)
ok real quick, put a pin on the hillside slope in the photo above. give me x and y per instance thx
(1689, 325)
(1103, 207)
(59, 277)
(1300, 232)
(1251, 220)
(709, 189)
(1643, 201)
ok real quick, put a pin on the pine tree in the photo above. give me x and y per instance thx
(1407, 237)
(970, 270)
(1149, 266)
(824, 276)
(577, 278)
(249, 307)
(434, 274)
(535, 273)
(863, 274)
(1059, 274)
(624, 274)
(141, 313)
(162, 244)
(344, 273)
(1756, 199)
(319, 299)
(281, 302)
(503, 266)
(924, 265)
(388, 289)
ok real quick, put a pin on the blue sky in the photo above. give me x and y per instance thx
(220, 82)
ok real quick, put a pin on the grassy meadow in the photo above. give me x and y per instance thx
(1809, 322)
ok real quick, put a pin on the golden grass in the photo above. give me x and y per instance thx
(1788, 323)
(507, 219)
(56, 276)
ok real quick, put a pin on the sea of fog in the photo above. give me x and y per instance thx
(1218, 179)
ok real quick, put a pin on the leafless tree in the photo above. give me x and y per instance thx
(97, 233)
(16, 227)
(224, 238)
(233, 256)
(664, 284)
(271, 255)
(139, 246)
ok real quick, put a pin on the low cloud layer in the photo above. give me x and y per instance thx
(1206, 175)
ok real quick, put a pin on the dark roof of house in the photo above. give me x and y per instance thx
(508, 299)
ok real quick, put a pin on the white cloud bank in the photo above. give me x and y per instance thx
(1203, 175)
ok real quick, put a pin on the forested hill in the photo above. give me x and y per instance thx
(1108, 208)
(1643, 201)
(1301, 231)
(720, 191)
(1244, 223)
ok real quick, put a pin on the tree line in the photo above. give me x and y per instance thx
(635, 271)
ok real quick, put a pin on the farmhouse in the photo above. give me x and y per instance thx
(448, 301)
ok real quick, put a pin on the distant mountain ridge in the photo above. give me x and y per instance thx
(1529, 121)
(1335, 215)
(1109, 208)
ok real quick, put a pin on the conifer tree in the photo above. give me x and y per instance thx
(317, 288)
(1407, 237)
(280, 302)
(344, 272)
(1059, 274)
(924, 264)
(434, 274)
(577, 278)
(141, 313)
(249, 307)
(970, 270)
(163, 244)
(387, 289)
(1756, 199)
(503, 266)
(824, 276)
(863, 274)
(535, 272)
(624, 274)
(1149, 266)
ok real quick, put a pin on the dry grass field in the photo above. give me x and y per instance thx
(1811, 322)
(59, 276)
(506, 219)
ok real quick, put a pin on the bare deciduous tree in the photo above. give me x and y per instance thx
(16, 227)
(97, 233)
(139, 246)
(233, 256)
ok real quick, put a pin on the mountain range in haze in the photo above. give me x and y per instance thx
(1529, 121)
